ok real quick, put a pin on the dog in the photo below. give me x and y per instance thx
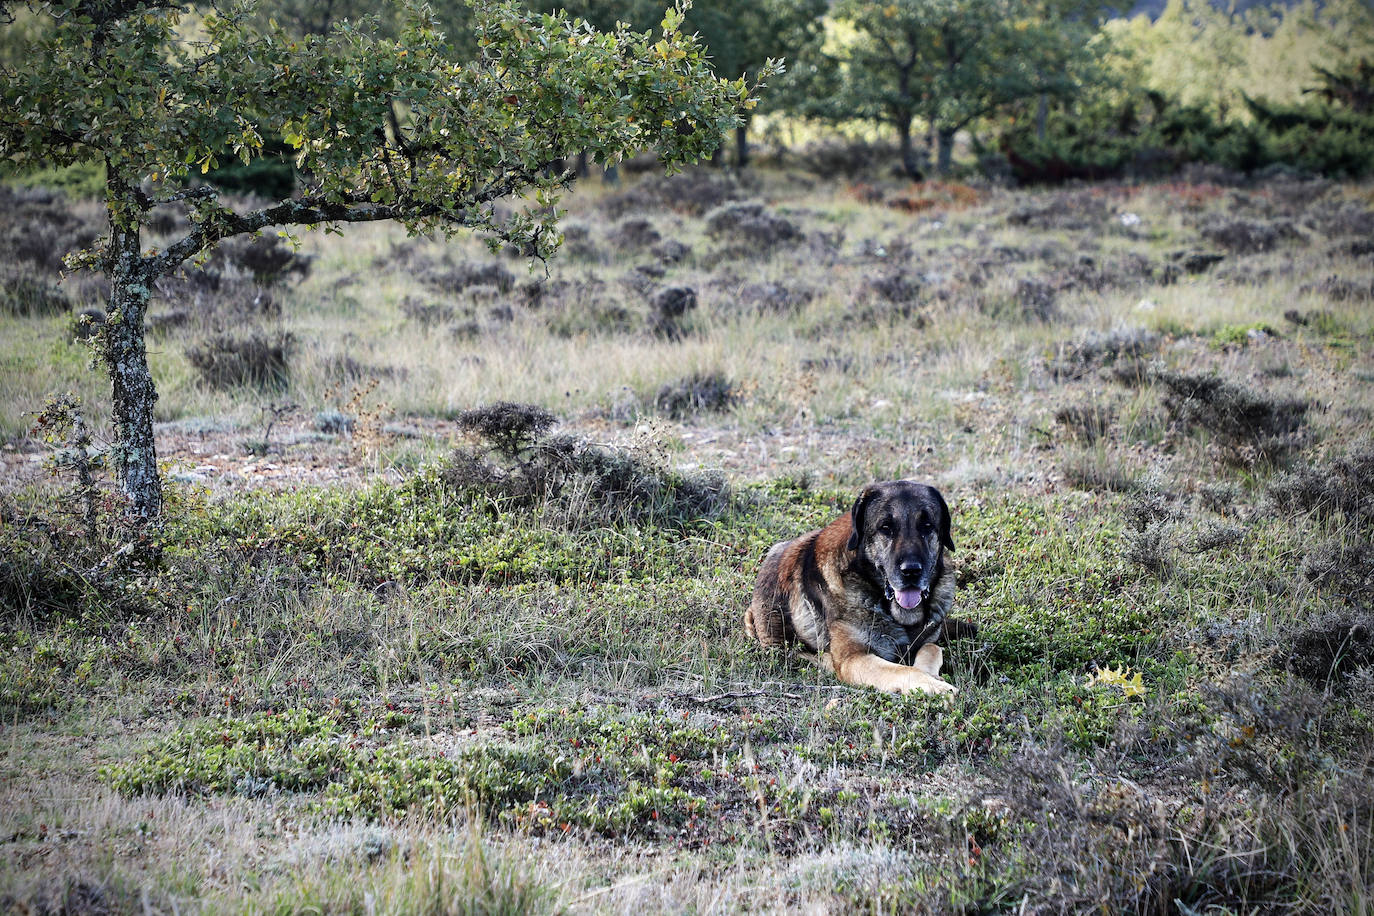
(869, 593)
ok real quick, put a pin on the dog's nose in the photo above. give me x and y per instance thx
(910, 569)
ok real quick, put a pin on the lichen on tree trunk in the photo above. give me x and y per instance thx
(131, 382)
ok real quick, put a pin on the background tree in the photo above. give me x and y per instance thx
(452, 17)
(951, 62)
(1352, 87)
(1202, 55)
(743, 37)
(119, 81)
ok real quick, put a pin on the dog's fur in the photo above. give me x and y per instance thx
(869, 593)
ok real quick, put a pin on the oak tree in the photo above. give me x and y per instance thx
(950, 62)
(382, 126)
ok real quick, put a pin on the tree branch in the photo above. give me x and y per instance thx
(311, 211)
(200, 193)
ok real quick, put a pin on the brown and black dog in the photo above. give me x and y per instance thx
(869, 593)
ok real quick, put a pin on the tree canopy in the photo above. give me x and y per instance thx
(381, 127)
(950, 62)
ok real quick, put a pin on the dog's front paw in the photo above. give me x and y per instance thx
(938, 686)
(922, 682)
(929, 658)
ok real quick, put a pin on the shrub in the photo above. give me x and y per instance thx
(38, 228)
(1106, 842)
(1247, 422)
(334, 422)
(1036, 298)
(700, 391)
(1074, 212)
(1340, 289)
(426, 314)
(25, 295)
(457, 279)
(1344, 485)
(774, 297)
(1090, 471)
(1343, 569)
(1327, 650)
(750, 224)
(850, 159)
(163, 323)
(77, 555)
(79, 181)
(578, 243)
(895, 287)
(511, 429)
(634, 232)
(1245, 236)
(692, 191)
(1086, 422)
(576, 483)
(217, 295)
(268, 258)
(1192, 262)
(343, 368)
(1341, 220)
(1150, 135)
(1097, 350)
(671, 251)
(259, 360)
(597, 315)
(669, 305)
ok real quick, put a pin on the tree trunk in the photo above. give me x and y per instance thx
(909, 164)
(1042, 114)
(126, 358)
(742, 144)
(944, 150)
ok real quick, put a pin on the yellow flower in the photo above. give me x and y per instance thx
(1133, 687)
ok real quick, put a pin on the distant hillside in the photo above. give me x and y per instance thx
(1152, 8)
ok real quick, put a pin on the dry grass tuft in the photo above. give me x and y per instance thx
(1249, 424)
(1328, 650)
(1245, 236)
(574, 482)
(1344, 484)
(750, 225)
(1101, 349)
(260, 360)
(1086, 423)
(696, 393)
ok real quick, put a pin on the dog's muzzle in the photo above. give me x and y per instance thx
(907, 598)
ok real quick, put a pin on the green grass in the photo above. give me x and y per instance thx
(416, 688)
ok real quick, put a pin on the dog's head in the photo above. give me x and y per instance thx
(900, 529)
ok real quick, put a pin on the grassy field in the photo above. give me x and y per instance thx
(400, 647)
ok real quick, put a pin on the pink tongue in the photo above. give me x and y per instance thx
(908, 597)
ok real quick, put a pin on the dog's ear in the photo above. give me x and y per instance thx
(944, 520)
(856, 516)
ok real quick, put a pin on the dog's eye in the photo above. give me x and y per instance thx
(886, 529)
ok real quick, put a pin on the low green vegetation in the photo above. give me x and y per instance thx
(459, 623)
